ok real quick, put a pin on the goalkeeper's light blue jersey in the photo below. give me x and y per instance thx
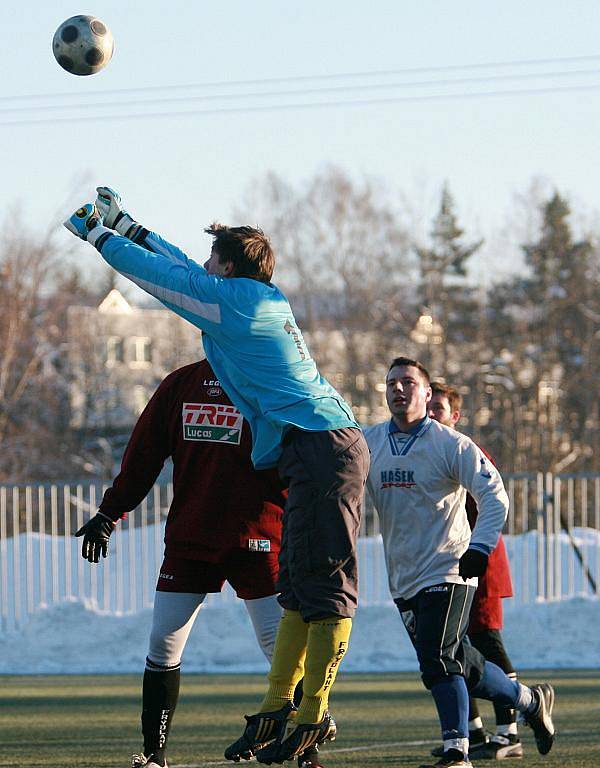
(250, 337)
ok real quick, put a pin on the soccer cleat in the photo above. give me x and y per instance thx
(540, 720)
(115, 217)
(477, 737)
(141, 761)
(295, 738)
(499, 747)
(259, 731)
(452, 758)
(310, 758)
(83, 220)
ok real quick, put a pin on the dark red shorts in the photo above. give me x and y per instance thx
(251, 574)
(486, 613)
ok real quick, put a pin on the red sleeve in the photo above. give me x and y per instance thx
(496, 581)
(146, 451)
(487, 455)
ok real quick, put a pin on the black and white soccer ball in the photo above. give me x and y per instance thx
(83, 45)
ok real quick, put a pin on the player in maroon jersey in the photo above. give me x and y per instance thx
(485, 621)
(224, 524)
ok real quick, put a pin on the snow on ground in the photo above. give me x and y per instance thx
(73, 638)
(60, 615)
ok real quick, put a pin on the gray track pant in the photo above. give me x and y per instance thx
(325, 473)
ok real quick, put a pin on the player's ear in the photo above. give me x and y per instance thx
(428, 393)
(228, 269)
(455, 416)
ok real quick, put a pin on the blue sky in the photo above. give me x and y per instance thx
(178, 173)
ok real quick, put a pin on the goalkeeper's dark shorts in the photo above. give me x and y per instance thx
(436, 620)
(325, 473)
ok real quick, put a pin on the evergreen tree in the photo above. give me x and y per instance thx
(447, 303)
(550, 318)
(563, 285)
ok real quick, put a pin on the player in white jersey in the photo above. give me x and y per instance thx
(485, 619)
(419, 477)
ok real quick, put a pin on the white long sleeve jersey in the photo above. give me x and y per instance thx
(418, 482)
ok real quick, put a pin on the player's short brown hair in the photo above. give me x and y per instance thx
(451, 393)
(247, 248)
(414, 363)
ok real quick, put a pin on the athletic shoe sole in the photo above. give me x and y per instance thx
(495, 751)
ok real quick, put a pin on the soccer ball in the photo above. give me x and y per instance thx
(83, 45)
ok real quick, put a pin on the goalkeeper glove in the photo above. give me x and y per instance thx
(96, 533)
(472, 563)
(115, 217)
(83, 221)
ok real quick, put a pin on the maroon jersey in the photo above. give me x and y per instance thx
(220, 501)
(496, 581)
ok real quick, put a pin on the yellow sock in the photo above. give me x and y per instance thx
(287, 665)
(327, 644)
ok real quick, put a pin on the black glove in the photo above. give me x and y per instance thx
(96, 533)
(472, 563)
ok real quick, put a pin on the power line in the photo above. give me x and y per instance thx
(305, 105)
(318, 77)
(306, 91)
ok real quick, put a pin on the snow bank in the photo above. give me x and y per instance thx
(77, 638)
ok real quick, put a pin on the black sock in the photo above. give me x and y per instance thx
(160, 693)
(489, 642)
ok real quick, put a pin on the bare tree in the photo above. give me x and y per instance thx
(346, 262)
(35, 290)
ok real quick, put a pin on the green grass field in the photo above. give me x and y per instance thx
(384, 720)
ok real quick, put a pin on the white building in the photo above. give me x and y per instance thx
(118, 353)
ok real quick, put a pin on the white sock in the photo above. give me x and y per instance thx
(476, 724)
(506, 729)
(462, 745)
(526, 699)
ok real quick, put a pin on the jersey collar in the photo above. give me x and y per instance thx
(417, 430)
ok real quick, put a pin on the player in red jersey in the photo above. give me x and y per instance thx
(224, 524)
(485, 621)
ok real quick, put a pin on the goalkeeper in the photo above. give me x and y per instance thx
(299, 424)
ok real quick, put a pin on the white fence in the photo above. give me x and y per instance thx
(552, 536)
